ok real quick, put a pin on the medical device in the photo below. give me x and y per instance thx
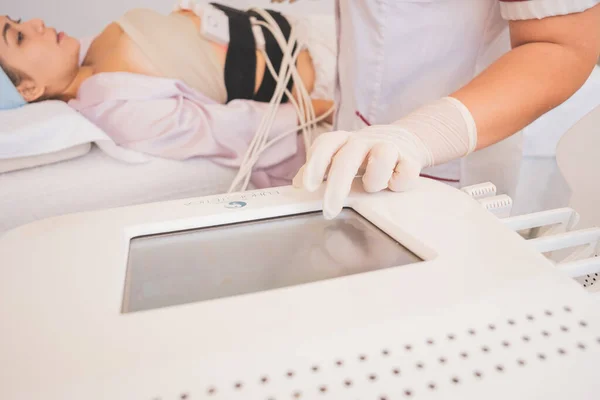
(425, 294)
(216, 26)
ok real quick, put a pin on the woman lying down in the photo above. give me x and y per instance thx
(156, 85)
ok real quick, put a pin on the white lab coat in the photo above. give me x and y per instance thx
(396, 55)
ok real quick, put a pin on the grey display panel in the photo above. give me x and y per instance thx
(222, 261)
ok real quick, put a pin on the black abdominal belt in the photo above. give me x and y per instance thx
(240, 64)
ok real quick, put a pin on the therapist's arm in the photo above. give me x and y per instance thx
(550, 60)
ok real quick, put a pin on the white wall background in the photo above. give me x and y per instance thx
(81, 18)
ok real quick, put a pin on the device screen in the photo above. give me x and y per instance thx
(222, 261)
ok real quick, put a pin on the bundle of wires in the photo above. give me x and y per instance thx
(290, 49)
(303, 104)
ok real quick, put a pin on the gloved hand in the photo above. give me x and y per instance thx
(392, 156)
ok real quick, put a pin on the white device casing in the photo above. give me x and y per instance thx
(484, 316)
(214, 24)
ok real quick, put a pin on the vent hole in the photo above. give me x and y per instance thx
(451, 336)
(340, 363)
(581, 346)
(396, 371)
(499, 368)
(315, 368)
(383, 398)
(297, 395)
(430, 342)
(183, 396)
(455, 380)
(362, 357)
(442, 360)
(583, 324)
(564, 328)
(432, 386)
(548, 313)
(464, 355)
(511, 322)
(545, 333)
(478, 374)
(372, 377)
(472, 332)
(264, 380)
(506, 343)
(521, 362)
(347, 383)
(542, 356)
(323, 389)
(238, 385)
(530, 317)
(211, 390)
(408, 393)
(290, 374)
(485, 349)
(562, 352)
(385, 352)
(567, 309)
(492, 327)
(420, 365)
(408, 347)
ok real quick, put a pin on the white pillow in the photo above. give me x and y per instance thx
(47, 132)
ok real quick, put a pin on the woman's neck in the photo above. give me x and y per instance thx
(70, 92)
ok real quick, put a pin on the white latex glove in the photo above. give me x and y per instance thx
(392, 156)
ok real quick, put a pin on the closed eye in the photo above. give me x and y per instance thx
(20, 38)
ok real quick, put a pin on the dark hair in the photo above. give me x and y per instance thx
(15, 76)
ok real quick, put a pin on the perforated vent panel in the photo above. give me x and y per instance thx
(590, 281)
(439, 364)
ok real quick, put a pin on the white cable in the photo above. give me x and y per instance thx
(268, 118)
(287, 63)
(283, 135)
(259, 140)
(303, 107)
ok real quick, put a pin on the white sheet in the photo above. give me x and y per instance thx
(15, 164)
(97, 181)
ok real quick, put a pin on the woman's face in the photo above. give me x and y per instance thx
(47, 60)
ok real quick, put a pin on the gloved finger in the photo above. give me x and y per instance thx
(344, 167)
(381, 162)
(405, 175)
(297, 181)
(320, 155)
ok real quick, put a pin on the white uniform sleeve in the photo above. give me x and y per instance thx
(538, 9)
